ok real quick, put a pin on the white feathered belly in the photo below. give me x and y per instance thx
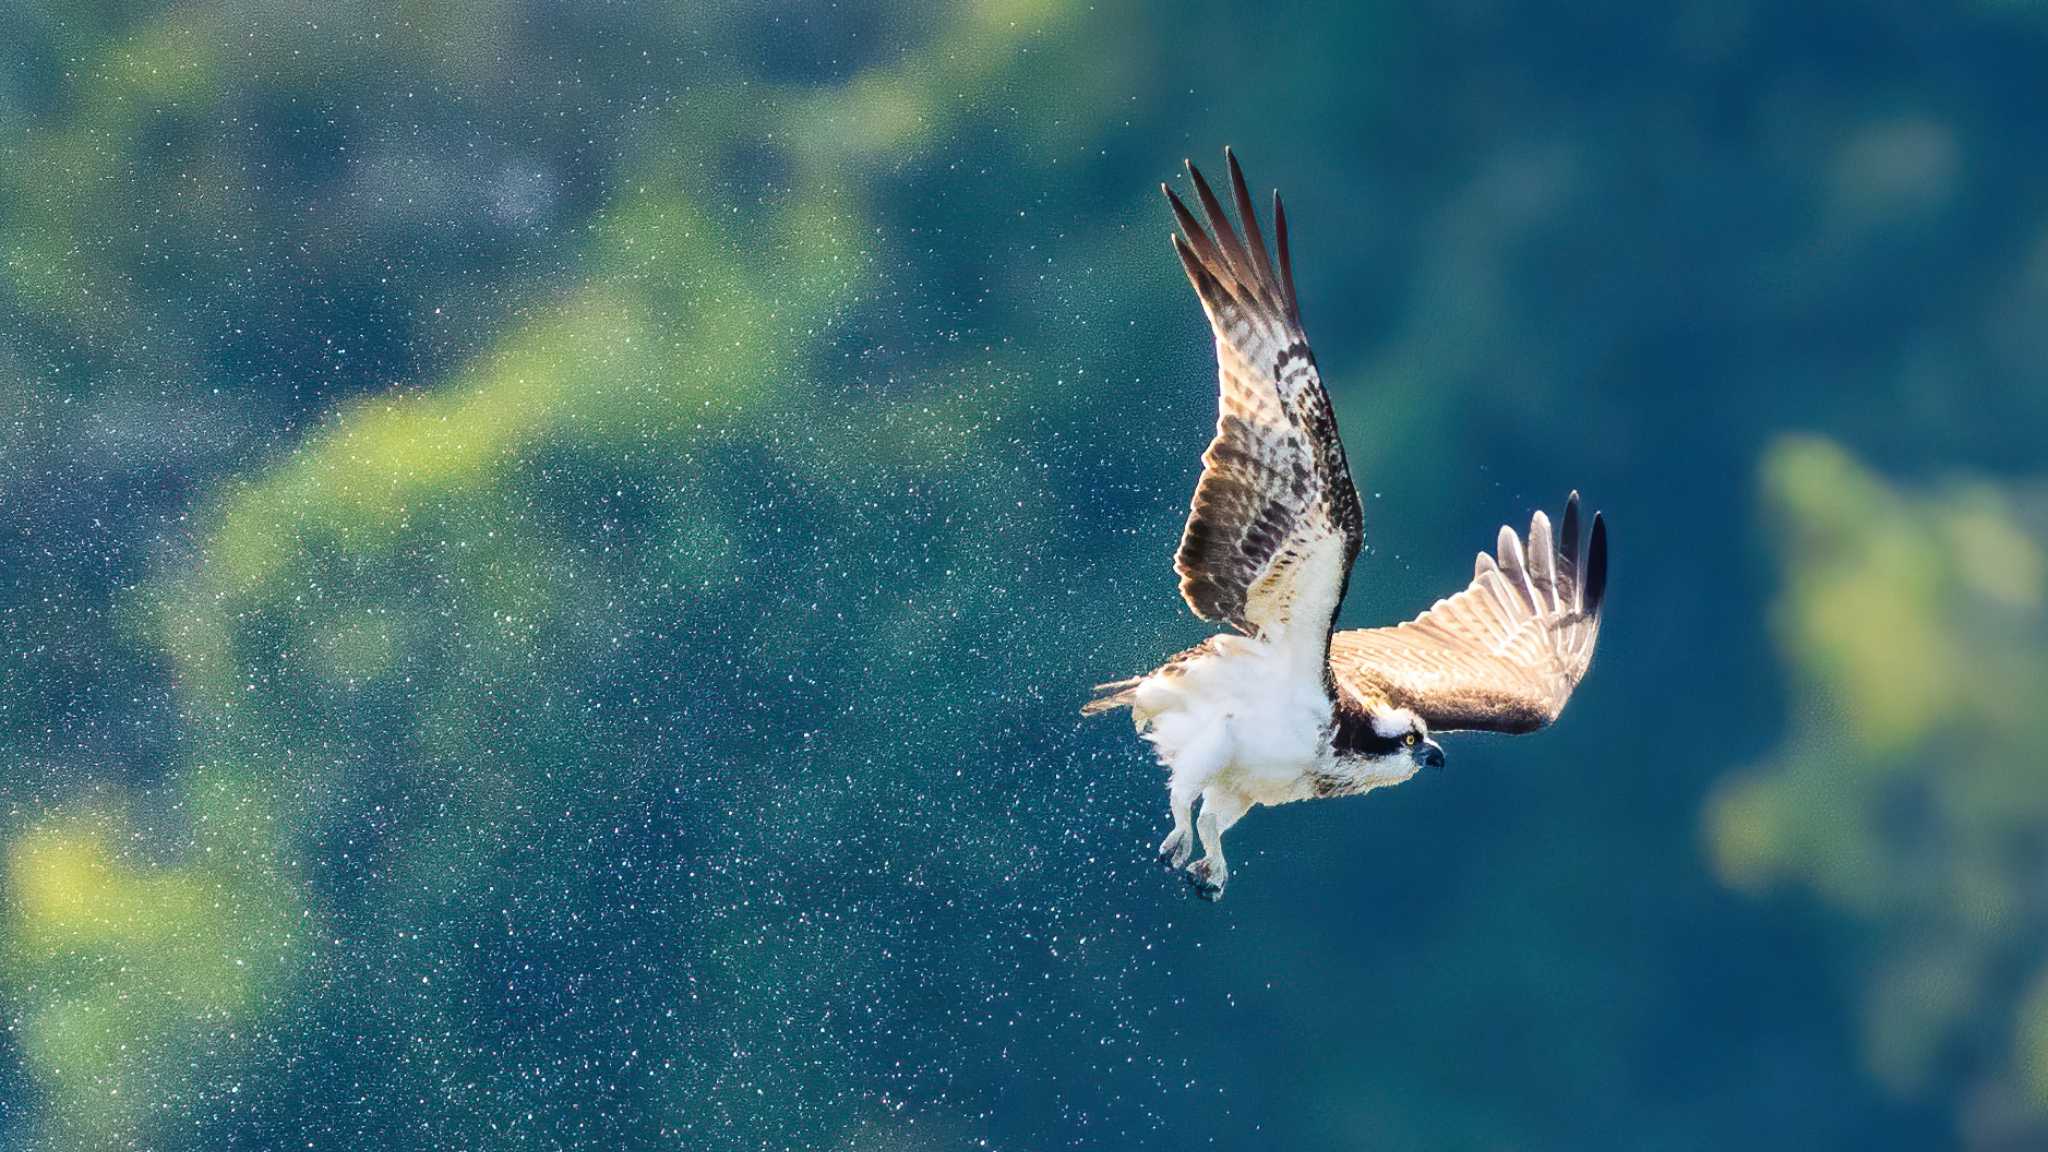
(1247, 715)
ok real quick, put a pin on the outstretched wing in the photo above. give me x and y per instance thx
(1504, 654)
(1275, 523)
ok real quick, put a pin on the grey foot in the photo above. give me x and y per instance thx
(1208, 878)
(1173, 851)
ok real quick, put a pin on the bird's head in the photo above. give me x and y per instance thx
(1402, 732)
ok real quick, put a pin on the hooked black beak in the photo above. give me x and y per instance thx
(1430, 754)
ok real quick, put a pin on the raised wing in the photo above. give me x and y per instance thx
(1504, 654)
(1275, 523)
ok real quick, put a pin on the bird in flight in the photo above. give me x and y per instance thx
(1285, 707)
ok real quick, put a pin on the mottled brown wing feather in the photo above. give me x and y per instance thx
(1275, 522)
(1504, 654)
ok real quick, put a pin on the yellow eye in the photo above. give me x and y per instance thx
(1410, 739)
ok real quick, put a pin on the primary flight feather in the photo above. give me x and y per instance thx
(1286, 708)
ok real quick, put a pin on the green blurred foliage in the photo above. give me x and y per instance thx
(1908, 793)
(554, 549)
(413, 571)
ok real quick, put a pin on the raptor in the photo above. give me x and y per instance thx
(1284, 707)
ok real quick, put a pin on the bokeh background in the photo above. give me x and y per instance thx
(549, 553)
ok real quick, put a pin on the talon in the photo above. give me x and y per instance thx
(1173, 851)
(1207, 878)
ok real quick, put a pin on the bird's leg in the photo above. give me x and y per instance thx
(1180, 795)
(1194, 766)
(1220, 810)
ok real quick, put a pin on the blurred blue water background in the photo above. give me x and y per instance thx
(549, 554)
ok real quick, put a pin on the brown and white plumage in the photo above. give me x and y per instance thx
(1287, 709)
(1501, 656)
(1275, 510)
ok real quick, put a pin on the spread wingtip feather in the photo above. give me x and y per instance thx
(1596, 566)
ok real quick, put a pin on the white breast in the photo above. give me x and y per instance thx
(1250, 711)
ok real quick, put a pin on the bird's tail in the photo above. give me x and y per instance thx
(1113, 695)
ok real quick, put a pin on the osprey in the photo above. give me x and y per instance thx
(1287, 708)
